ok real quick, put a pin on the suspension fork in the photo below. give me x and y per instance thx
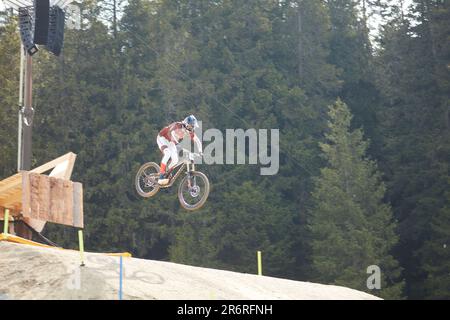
(190, 166)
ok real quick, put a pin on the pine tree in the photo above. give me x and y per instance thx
(351, 53)
(414, 81)
(9, 95)
(351, 227)
(435, 254)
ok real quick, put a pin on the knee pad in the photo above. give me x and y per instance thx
(166, 155)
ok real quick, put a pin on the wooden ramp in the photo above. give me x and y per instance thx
(11, 193)
(37, 198)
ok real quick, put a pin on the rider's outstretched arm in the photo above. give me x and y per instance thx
(174, 137)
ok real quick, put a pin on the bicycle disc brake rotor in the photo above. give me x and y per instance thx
(194, 191)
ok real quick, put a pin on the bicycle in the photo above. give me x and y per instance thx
(193, 190)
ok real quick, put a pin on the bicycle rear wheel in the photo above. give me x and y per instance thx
(193, 190)
(146, 180)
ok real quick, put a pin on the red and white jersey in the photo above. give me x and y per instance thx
(175, 132)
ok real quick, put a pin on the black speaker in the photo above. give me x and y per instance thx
(56, 30)
(26, 30)
(41, 19)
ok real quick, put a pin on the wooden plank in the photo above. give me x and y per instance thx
(26, 198)
(11, 191)
(48, 199)
(37, 225)
(34, 198)
(17, 209)
(10, 182)
(11, 200)
(10, 178)
(78, 205)
(64, 169)
(5, 197)
(52, 215)
(11, 194)
(68, 202)
(69, 169)
(60, 200)
(51, 164)
(44, 198)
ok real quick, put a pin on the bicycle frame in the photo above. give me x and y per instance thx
(186, 163)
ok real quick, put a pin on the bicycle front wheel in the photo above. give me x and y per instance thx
(193, 190)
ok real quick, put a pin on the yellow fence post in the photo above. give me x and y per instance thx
(81, 244)
(6, 222)
(259, 264)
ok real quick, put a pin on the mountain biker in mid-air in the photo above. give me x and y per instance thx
(167, 140)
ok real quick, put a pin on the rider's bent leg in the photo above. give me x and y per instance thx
(163, 145)
(164, 160)
(170, 152)
(173, 155)
(162, 179)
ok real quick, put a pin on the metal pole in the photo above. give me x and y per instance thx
(121, 278)
(28, 114)
(6, 222)
(19, 133)
(259, 263)
(81, 246)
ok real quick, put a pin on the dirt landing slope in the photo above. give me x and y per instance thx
(38, 273)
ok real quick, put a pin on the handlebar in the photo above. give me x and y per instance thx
(193, 154)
